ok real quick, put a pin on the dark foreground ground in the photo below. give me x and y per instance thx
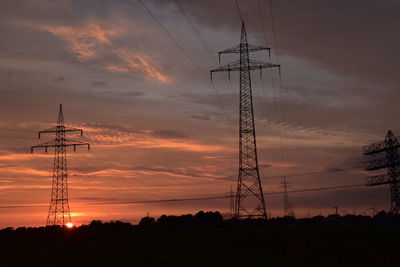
(206, 240)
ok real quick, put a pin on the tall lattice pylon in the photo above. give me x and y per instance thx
(249, 200)
(59, 213)
(391, 161)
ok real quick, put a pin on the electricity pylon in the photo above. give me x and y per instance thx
(391, 161)
(231, 203)
(287, 206)
(59, 213)
(249, 200)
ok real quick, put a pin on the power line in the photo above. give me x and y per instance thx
(196, 30)
(195, 198)
(309, 173)
(274, 30)
(185, 53)
(278, 107)
(18, 130)
(202, 40)
(172, 38)
(238, 9)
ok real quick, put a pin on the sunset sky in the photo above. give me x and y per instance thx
(158, 128)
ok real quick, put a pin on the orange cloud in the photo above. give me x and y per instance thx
(137, 63)
(86, 41)
(36, 155)
(83, 40)
(152, 142)
(25, 171)
(106, 173)
(116, 68)
(144, 139)
(195, 147)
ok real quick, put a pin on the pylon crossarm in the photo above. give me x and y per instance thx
(253, 65)
(60, 129)
(377, 180)
(77, 143)
(379, 147)
(257, 64)
(45, 145)
(65, 143)
(249, 47)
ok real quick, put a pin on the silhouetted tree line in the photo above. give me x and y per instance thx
(206, 239)
(201, 218)
(213, 219)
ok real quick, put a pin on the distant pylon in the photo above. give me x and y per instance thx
(231, 203)
(391, 161)
(336, 210)
(249, 197)
(59, 213)
(286, 203)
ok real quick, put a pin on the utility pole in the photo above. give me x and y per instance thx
(249, 202)
(390, 161)
(336, 210)
(59, 213)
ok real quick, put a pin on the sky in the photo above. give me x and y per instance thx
(137, 82)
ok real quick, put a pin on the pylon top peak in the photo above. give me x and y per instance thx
(60, 119)
(244, 34)
(389, 134)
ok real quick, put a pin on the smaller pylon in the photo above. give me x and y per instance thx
(287, 206)
(231, 203)
(59, 213)
(336, 210)
(389, 160)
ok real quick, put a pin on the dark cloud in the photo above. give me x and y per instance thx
(204, 117)
(191, 172)
(168, 134)
(265, 165)
(99, 84)
(354, 38)
(131, 93)
(124, 93)
(59, 79)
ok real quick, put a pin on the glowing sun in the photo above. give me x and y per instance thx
(69, 225)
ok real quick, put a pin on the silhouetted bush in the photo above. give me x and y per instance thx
(146, 221)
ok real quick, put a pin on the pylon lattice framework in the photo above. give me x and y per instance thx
(391, 161)
(249, 200)
(59, 213)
